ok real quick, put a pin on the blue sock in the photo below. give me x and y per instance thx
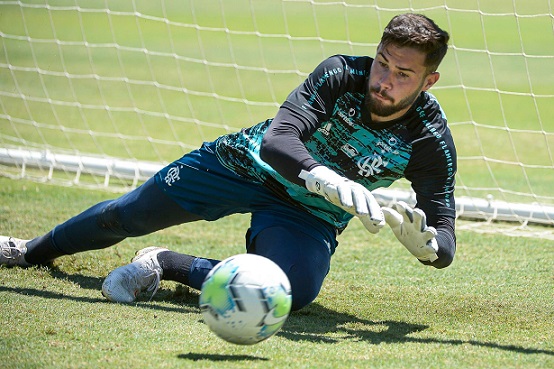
(186, 269)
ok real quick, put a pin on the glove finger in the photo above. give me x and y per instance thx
(344, 194)
(375, 211)
(371, 225)
(431, 246)
(418, 217)
(429, 233)
(359, 198)
(405, 210)
(392, 217)
(435, 247)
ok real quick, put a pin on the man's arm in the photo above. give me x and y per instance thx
(284, 150)
(446, 242)
(298, 118)
(431, 244)
(283, 147)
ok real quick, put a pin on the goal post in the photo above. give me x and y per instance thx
(103, 94)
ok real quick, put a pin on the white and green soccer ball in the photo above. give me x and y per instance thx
(245, 299)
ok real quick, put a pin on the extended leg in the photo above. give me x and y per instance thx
(139, 212)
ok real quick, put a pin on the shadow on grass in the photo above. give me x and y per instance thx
(83, 281)
(181, 297)
(315, 322)
(216, 357)
(44, 293)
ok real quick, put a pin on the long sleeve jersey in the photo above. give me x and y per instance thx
(325, 121)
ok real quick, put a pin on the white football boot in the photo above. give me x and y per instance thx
(12, 251)
(143, 274)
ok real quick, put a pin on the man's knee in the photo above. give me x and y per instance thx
(122, 221)
(304, 259)
(304, 288)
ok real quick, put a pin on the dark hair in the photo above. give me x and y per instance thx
(419, 32)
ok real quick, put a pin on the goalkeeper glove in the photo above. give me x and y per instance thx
(410, 227)
(348, 195)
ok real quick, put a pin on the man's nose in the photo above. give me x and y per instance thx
(386, 80)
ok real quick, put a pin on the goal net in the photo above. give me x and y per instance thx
(103, 93)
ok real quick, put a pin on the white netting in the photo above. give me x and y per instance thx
(103, 93)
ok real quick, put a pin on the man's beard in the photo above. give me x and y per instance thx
(380, 109)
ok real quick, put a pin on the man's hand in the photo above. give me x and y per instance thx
(348, 195)
(410, 227)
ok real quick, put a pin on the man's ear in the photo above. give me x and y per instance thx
(430, 80)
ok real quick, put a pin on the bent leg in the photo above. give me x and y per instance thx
(142, 211)
(304, 259)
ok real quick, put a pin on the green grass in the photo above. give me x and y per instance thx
(378, 308)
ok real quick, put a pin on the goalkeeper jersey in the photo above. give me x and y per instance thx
(325, 121)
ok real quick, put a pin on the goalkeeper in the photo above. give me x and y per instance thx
(354, 125)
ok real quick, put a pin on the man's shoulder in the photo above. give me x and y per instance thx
(358, 65)
(428, 107)
(427, 123)
(432, 100)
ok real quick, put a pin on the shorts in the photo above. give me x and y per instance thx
(201, 185)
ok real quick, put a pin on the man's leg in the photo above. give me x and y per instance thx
(305, 259)
(142, 211)
(298, 242)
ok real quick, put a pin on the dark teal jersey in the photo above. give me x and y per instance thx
(325, 121)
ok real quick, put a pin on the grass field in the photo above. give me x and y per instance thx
(379, 308)
(80, 81)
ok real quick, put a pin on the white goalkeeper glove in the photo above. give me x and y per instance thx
(348, 195)
(410, 227)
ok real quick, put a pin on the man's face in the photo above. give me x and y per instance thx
(397, 77)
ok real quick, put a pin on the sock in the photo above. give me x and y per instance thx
(41, 250)
(199, 270)
(176, 267)
(187, 269)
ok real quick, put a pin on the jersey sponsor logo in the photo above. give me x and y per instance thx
(371, 165)
(391, 146)
(347, 110)
(347, 117)
(172, 176)
(326, 129)
(349, 150)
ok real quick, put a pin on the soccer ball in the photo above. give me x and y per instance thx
(245, 299)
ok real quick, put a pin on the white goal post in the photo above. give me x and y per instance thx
(103, 94)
